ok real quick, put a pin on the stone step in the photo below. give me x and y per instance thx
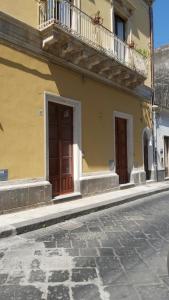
(126, 186)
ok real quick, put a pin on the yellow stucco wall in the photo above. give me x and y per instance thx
(23, 82)
(105, 8)
(140, 24)
(23, 10)
(140, 31)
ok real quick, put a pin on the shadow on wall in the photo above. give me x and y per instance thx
(95, 134)
(70, 85)
(55, 75)
(146, 114)
(1, 127)
(21, 67)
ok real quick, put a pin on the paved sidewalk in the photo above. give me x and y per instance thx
(119, 253)
(32, 219)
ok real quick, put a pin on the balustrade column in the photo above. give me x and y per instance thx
(113, 26)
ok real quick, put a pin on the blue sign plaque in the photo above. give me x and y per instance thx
(3, 175)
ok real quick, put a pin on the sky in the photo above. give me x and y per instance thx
(161, 23)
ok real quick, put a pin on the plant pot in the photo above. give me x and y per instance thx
(131, 44)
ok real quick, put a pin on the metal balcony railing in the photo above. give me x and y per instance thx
(82, 26)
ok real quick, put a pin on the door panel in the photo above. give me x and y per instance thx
(53, 133)
(66, 148)
(166, 155)
(54, 167)
(53, 149)
(146, 142)
(66, 184)
(60, 148)
(121, 149)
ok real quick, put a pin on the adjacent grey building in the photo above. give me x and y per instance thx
(162, 113)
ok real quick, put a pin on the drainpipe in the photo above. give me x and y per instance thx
(152, 48)
(154, 135)
(154, 107)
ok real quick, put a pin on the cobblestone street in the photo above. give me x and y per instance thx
(118, 253)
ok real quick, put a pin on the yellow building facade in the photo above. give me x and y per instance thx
(75, 98)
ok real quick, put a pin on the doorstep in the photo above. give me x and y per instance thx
(67, 197)
(33, 219)
(126, 186)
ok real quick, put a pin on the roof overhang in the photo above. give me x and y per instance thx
(149, 2)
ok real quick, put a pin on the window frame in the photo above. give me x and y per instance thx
(116, 19)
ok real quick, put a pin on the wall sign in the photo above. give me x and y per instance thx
(3, 174)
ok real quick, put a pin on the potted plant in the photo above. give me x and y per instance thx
(97, 19)
(132, 44)
(144, 52)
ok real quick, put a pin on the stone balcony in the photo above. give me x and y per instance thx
(75, 37)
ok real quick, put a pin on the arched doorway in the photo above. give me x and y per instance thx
(146, 146)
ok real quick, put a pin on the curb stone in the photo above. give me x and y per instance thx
(41, 222)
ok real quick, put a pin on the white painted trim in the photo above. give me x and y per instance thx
(75, 17)
(95, 175)
(37, 11)
(112, 17)
(77, 153)
(77, 3)
(130, 144)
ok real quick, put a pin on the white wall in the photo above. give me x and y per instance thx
(162, 131)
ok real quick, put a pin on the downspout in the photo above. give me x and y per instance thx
(153, 107)
(152, 49)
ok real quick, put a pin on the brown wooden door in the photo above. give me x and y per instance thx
(146, 156)
(60, 148)
(121, 149)
(166, 155)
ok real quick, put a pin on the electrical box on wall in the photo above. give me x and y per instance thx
(3, 174)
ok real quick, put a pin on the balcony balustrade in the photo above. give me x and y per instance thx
(72, 35)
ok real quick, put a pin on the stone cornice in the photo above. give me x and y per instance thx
(149, 2)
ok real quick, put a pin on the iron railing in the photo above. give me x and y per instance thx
(79, 24)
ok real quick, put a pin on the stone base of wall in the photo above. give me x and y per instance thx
(98, 183)
(161, 175)
(138, 177)
(22, 194)
(152, 175)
